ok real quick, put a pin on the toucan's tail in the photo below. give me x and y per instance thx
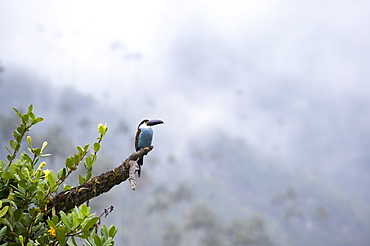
(140, 162)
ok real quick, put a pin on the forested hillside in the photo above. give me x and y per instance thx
(204, 185)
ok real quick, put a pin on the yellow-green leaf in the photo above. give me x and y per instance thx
(3, 211)
(13, 144)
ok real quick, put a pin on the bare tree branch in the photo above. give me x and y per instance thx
(67, 200)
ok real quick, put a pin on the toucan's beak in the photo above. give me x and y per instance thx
(154, 122)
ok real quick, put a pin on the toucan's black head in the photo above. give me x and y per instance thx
(150, 122)
(142, 122)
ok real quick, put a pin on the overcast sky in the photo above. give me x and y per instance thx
(272, 64)
(80, 42)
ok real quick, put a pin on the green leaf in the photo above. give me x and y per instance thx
(75, 216)
(10, 157)
(88, 175)
(107, 242)
(76, 158)
(26, 220)
(3, 231)
(30, 108)
(43, 240)
(45, 155)
(37, 120)
(91, 241)
(20, 227)
(8, 175)
(85, 234)
(67, 187)
(32, 116)
(65, 220)
(36, 161)
(10, 152)
(25, 118)
(96, 147)
(102, 129)
(69, 162)
(10, 225)
(40, 195)
(51, 223)
(3, 211)
(55, 219)
(22, 186)
(13, 144)
(3, 167)
(17, 135)
(85, 210)
(97, 240)
(17, 214)
(81, 179)
(104, 231)
(112, 230)
(38, 230)
(27, 158)
(17, 112)
(62, 173)
(21, 129)
(90, 223)
(37, 151)
(51, 178)
(86, 147)
(90, 161)
(61, 237)
(80, 149)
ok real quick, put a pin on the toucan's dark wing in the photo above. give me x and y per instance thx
(137, 139)
(140, 162)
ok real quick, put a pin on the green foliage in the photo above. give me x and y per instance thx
(172, 236)
(201, 216)
(26, 188)
(251, 232)
(198, 223)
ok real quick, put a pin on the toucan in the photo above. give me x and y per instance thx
(144, 136)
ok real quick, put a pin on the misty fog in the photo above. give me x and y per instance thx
(266, 109)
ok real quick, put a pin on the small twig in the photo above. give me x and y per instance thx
(105, 213)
